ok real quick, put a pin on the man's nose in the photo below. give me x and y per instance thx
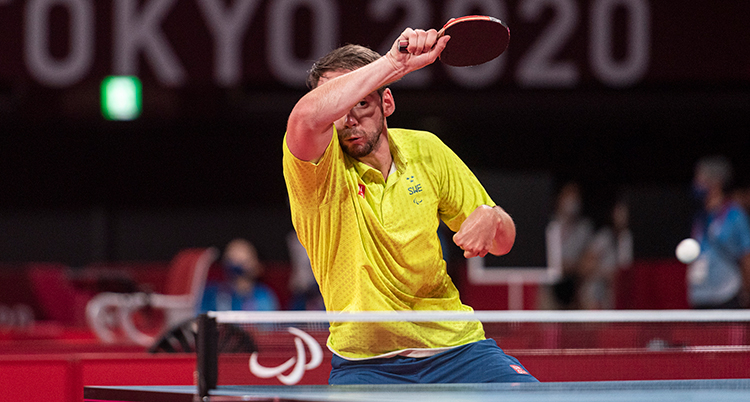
(350, 120)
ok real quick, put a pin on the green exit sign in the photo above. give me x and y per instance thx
(121, 97)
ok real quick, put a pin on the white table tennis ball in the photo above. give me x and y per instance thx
(688, 250)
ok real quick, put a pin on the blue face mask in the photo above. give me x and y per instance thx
(699, 193)
(234, 270)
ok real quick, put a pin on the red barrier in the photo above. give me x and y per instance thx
(609, 365)
(62, 377)
(25, 378)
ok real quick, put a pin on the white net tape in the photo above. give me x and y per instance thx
(565, 316)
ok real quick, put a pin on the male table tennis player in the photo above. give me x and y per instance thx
(366, 201)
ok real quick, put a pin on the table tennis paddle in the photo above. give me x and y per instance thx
(475, 39)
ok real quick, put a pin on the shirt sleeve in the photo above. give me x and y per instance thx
(306, 181)
(460, 191)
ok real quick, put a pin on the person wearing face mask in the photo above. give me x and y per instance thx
(573, 231)
(234, 284)
(720, 276)
(609, 251)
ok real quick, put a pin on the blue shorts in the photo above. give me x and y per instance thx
(478, 362)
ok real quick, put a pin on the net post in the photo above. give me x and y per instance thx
(207, 358)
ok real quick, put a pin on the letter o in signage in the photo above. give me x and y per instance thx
(74, 66)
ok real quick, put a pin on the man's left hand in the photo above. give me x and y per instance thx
(486, 230)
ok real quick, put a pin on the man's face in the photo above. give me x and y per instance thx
(361, 128)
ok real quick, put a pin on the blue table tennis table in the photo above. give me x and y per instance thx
(733, 390)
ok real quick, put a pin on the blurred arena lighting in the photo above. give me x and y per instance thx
(121, 97)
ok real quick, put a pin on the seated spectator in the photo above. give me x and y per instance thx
(233, 284)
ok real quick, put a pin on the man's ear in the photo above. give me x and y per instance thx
(389, 104)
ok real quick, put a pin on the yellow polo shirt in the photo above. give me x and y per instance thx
(373, 244)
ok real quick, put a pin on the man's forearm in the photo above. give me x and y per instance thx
(328, 102)
(505, 233)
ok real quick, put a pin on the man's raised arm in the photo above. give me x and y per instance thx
(310, 123)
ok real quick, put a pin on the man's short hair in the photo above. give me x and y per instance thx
(347, 57)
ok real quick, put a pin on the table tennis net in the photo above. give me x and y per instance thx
(227, 340)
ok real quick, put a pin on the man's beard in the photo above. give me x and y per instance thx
(360, 150)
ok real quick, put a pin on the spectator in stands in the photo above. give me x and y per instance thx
(610, 251)
(574, 231)
(720, 277)
(233, 283)
(305, 292)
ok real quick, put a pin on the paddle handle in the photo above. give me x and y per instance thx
(404, 44)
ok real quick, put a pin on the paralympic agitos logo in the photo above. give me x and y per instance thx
(299, 362)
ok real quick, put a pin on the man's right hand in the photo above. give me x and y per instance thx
(423, 49)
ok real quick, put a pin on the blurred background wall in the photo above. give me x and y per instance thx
(620, 95)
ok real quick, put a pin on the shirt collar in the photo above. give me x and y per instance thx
(398, 164)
